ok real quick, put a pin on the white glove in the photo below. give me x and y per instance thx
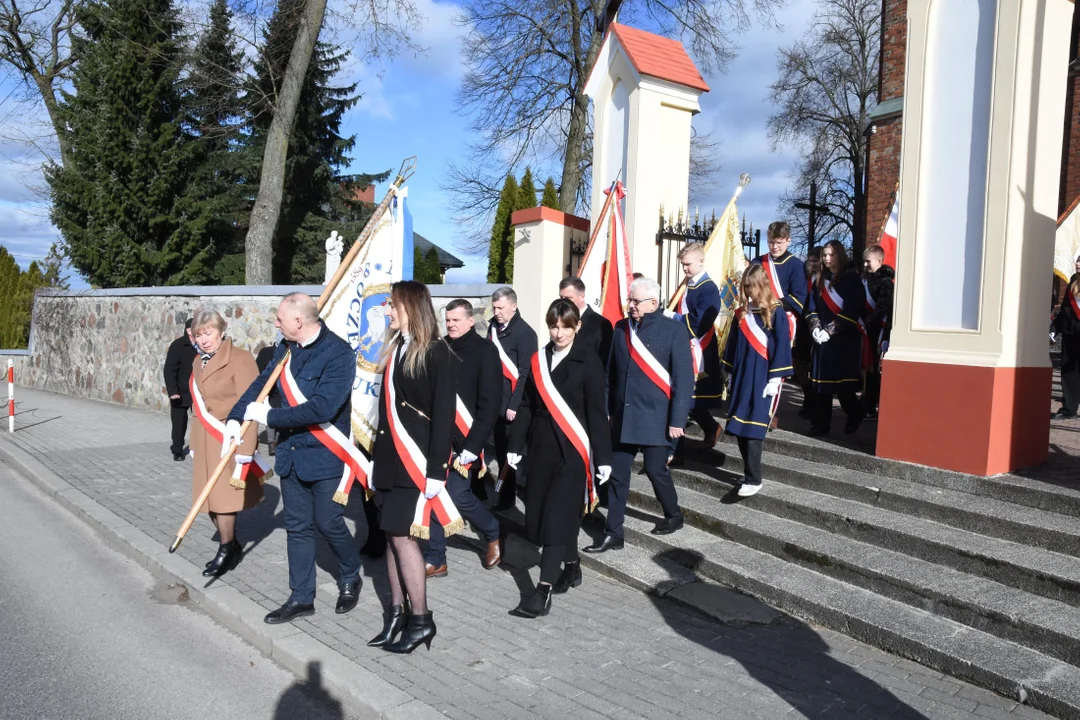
(820, 336)
(1053, 337)
(466, 458)
(771, 388)
(603, 473)
(434, 487)
(257, 411)
(231, 435)
(242, 459)
(669, 313)
(884, 346)
(512, 459)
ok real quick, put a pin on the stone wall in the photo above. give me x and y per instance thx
(110, 344)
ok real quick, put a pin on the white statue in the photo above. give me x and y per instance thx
(334, 246)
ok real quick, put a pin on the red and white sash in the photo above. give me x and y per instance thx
(774, 279)
(357, 465)
(510, 371)
(412, 457)
(754, 334)
(1072, 301)
(697, 345)
(647, 361)
(463, 419)
(831, 298)
(567, 422)
(258, 469)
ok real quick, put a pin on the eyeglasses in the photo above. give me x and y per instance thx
(632, 301)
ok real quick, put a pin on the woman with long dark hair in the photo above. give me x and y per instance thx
(836, 304)
(568, 438)
(416, 420)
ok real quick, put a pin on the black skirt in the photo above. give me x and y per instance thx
(555, 490)
(397, 510)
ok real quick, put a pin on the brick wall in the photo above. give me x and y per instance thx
(1070, 154)
(884, 168)
(893, 46)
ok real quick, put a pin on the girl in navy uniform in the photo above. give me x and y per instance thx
(836, 304)
(757, 358)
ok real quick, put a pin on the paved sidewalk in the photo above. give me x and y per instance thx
(606, 650)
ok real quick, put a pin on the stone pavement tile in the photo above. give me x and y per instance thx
(605, 650)
(993, 713)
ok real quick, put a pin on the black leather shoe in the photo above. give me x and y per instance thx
(227, 558)
(348, 596)
(606, 543)
(394, 621)
(289, 612)
(818, 431)
(536, 604)
(178, 457)
(1062, 415)
(852, 426)
(569, 578)
(420, 629)
(668, 525)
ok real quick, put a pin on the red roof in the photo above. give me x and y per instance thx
(659, 57)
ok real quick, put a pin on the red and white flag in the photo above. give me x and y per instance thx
(891, 233)
(607, 276)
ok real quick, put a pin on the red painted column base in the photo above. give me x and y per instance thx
(975, 420)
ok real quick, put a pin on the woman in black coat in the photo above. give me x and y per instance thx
(417, 403)
(1067, 323)
(559, 491)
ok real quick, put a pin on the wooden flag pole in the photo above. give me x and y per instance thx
(744, 180)
(406, 171)
(596, 230)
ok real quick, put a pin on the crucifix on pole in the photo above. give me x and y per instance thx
(814, 209)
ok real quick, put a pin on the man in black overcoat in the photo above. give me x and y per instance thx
(643, 417)
(518, 342)
(595, 332)
(179, 361)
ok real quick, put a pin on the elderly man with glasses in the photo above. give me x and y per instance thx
(650, 390)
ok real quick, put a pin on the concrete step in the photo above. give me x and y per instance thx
(1035, 570)
(1049, 626)
(1018, 672)
(976, 513)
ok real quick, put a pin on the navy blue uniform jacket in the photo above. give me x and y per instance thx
(703, 305)
(837, 364)
(640, 412)
(748, 415)
(791, 273)
(325, 371)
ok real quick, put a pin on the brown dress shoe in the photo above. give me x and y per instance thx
(494, 554)
(433, 571)
(774, 423)
(714, 437)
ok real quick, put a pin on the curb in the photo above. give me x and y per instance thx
(359, 690)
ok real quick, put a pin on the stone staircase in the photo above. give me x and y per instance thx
(975, 577)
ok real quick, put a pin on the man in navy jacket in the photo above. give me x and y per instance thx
(643, 416)
(324, 367)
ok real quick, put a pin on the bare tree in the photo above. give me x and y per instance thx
(528, 61)
(705, 165)
(828, 85)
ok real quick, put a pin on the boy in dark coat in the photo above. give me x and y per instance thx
(878, 283)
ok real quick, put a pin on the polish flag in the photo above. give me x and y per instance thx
(607, 277)
(891, 233)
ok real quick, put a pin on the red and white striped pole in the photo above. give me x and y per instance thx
(11, 395)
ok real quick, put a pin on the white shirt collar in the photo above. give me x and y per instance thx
(697, 278)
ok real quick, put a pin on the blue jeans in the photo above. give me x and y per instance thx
(470, 508)
(309, 505)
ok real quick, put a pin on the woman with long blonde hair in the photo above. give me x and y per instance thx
(757, 359)
(1067, 322)
(416, 421)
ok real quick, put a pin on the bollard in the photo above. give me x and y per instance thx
(11, 395)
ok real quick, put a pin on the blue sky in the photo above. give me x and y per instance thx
(408, 109)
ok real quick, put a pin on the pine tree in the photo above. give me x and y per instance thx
(131, 159)
(526, 191)
(54, 268)
(500, 230)
(9, 300)
(551, 195)
(434, 269)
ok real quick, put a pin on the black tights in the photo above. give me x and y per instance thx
(552, 558)
(408, 576)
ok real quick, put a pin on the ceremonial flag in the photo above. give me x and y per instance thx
(607, 276)
(1067, 243)
(358, 311)
(891, 233)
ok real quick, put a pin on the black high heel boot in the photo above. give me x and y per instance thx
(537, 604)
(227, 558)
(420, 629)
(570, 577)
(394, 621)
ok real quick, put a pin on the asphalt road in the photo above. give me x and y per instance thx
(86, 633)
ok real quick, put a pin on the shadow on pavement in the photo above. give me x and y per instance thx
(308, 699)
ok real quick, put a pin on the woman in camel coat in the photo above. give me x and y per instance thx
(221, 374)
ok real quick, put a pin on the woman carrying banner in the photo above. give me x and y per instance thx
(416, 421)
(1067, 323)
(220, 374)
(757, 358)
(836, 304)
(567, 438)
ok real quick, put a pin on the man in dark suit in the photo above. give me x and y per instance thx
(595, 332)
(516, 344)
(479, 394)
(322, 367)
(178, 364)
(650, 390)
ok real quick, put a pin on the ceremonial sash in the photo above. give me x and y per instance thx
(258, 469)
(754, 334)
(774, 279)
(871, 306)
(831, 298)
(463, 420)
(412, 457)
(567, 421)
(510, 371)
(647, 362)
(357, 466)
(1073, 303)
(697, 345)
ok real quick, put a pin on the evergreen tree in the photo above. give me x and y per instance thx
(526, 198)
(526, 191)
(500, 232)
(131, 159)
(17, 290)
(426, 267)
(551, 195)
(54, 268)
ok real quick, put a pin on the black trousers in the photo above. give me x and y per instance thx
(552, 558)
(849, 401)
(1070, 373)
(750, 449)
(507, 495)
(179, 415)
(619, 486)
(705, 420)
